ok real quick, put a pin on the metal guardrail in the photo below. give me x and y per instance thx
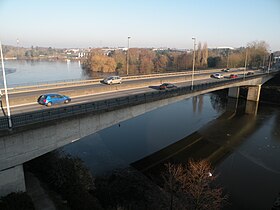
(23, 119)
(63, 83)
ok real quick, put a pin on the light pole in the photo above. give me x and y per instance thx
(127, 55)
(263, 61)
(227, 58)
(5, 86)
(245, 63)
(269, 62)
(194, 39)
(17, 48)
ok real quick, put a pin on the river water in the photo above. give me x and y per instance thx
(34, 72)
(244, 148)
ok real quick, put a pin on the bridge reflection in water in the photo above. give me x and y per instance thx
(214, 141)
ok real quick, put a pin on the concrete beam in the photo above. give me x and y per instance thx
(233, 92)
(12, 180)
(254, 93)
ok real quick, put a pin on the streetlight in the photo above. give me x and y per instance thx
(127, 55)
(227, 58)
(269, 62)
(17, 48)
(194, 39)
(5, 86)
(245, 63)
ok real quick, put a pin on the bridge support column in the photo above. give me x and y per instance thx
(12, 180)
(251, 107)
(233, 92)
(254, 93)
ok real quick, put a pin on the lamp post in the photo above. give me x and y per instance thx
(127, 55)
(194, 39)
(269, 62)
(17, 48)
(245, 63)
(5, 86)
(227, 58)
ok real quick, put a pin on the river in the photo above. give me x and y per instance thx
(244, 148)
(30, 72)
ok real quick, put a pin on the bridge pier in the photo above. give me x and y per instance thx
(233, 92)
(254, 93)
(251, 107)
(12, 180)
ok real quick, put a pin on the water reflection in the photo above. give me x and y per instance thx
(141, 136)
(197, 103)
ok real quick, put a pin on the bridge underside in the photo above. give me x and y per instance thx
(252, 95)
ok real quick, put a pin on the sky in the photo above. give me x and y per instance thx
(149, 23)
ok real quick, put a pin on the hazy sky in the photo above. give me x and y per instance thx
(150, 23)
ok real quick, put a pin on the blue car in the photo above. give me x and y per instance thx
(53, 98)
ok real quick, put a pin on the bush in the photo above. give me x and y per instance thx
(16, 201)
(69, 177)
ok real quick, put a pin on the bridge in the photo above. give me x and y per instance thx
(37, 132)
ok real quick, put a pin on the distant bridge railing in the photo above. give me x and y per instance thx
(74, 82)
(23, 119)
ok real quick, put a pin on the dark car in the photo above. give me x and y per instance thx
(250, 73)
(166, 86)
(53, 98)
(233, 76)
(225, 70)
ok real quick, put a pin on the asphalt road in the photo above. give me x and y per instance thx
(99, 96)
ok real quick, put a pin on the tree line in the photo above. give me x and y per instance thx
(146, 61)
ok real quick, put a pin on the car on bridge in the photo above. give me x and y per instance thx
(165, 86)
(233, 76)
(217, 76)
(250, 73)
(53, 98)
(113, 80)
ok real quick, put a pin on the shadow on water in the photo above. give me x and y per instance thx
(212, 141)
(243, 145)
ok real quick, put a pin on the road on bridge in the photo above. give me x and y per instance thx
(34, 106)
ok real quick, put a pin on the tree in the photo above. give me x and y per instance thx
(213, 61)
(146, 58)
(257, 51)
(198, 59)
(160, 62)
(120, 59)
(99, 62)
(191, 186)
(204, 54)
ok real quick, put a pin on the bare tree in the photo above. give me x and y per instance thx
(191, 186)
(204, 54)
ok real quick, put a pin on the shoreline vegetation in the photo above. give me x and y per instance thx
(128, 188)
